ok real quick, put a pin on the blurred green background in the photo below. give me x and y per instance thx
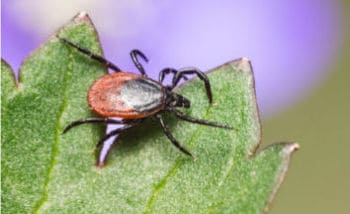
(318, 180)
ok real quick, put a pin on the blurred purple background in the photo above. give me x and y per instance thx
(291, 44)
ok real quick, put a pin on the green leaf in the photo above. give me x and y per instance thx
(46, 172)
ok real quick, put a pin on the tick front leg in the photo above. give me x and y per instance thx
(134, 54)
(93, 56)
(200, 74)
(167, 71)
(187, 118)
(171, 137)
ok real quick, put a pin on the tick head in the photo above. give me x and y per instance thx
(177, 100)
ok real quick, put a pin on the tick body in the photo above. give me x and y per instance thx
(126, 95)
(133, 97)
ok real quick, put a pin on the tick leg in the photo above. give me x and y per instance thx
(91, 120)
(185, 117)
(134, 54)
(167, 71)
(113, 133)
(93, 56)
(106, 145)
(187, 71)
(171, 137)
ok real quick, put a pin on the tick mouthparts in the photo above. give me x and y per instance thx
(183, 102)
(186, 104)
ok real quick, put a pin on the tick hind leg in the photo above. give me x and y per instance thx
(202, 76)
(171, 137)
(91, 120)
(93, 56)
(105, 147)
(134, 53)
(117, 131)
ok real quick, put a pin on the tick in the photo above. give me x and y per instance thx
(134, 97)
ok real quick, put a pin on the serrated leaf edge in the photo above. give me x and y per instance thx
(288, 149)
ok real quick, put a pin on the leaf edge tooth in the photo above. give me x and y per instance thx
(289, 148)
(3, 61)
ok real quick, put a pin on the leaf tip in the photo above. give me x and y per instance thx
(243, 64)
(292, 147)
(288, 149)
(82, 16)
(245, 59)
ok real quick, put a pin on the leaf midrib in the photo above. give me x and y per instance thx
(55, 147)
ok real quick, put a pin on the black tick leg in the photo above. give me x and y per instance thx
(113, 133)
(93, 56)
(171, 137)
(200, 74)
(134, 54)
(167, 71)
(106, 146)
(187, 118)
(91, 120)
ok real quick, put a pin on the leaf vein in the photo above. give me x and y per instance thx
(55, 147)
(172, 171)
